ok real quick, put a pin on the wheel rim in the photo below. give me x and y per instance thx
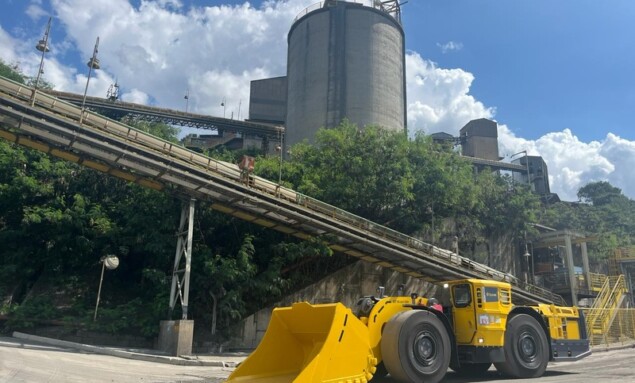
(527, 347)
(425, 348)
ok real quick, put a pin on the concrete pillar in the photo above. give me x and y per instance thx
(175, 337)
(571, 269)
(585, 264)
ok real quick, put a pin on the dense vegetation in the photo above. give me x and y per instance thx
(57, 219)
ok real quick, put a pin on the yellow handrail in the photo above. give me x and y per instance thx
(621, 331)
(597, 281)
(602, 314)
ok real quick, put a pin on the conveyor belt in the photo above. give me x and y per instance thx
(52, 126)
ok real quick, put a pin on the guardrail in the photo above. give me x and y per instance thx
(601, 315)
(367, 3)
(620, 332)
(597, 281)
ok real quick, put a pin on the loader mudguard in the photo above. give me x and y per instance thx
(308, 343)
(381, 313)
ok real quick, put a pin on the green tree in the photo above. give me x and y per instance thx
(604, 212)
(12, 72)
(600, 193)
(159, 129)
(444, 186)
(364, 171)
(502, 207)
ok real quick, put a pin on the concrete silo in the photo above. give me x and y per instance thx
(345, 60)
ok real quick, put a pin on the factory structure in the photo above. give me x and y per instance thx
(478, 141)
(345, 60)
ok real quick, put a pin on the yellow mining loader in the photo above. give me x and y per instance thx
(404, 337)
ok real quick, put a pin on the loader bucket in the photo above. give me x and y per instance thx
(308, 343)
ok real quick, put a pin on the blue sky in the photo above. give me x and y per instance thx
(545, 65)
(556, 75)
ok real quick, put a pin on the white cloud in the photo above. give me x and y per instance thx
(8, 47)
(161, 49)
(174, 4)
(136, 96)
(35, 11)
(439, 99)
(450, 46)
(621, 153)
(164, 50)
(573, 163)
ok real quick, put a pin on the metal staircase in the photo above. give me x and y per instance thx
(597, 281)
(601, 315)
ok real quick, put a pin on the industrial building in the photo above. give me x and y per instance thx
(268, 100)
(537, 174)
(478, 140)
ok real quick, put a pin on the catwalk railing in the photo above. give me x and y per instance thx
(601, 315)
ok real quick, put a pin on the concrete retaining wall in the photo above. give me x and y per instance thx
(346, 286)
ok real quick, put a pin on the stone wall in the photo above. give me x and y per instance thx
(362, 278)
(346, 286)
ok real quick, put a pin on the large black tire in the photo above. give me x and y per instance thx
(416, 347)
(526, 348)
(471, 369)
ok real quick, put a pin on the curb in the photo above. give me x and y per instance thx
(122, 353)
(612, 348)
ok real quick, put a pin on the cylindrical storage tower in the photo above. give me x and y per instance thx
(345, 60)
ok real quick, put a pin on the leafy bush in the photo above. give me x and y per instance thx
(29, 313)
(134, 317)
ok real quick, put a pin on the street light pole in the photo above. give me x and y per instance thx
(280, 148)
(101, 279)
(93, 63)
(111, 262)
(530, 272)
(42, 46)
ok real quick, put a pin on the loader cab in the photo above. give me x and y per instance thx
(479, 311)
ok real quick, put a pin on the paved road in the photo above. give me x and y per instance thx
(601, 367)
(22, 361)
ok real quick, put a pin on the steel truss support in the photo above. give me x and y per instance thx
(181, 273)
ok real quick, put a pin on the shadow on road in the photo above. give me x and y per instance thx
(490, 376)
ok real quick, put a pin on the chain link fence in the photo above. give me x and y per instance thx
(619, 330)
